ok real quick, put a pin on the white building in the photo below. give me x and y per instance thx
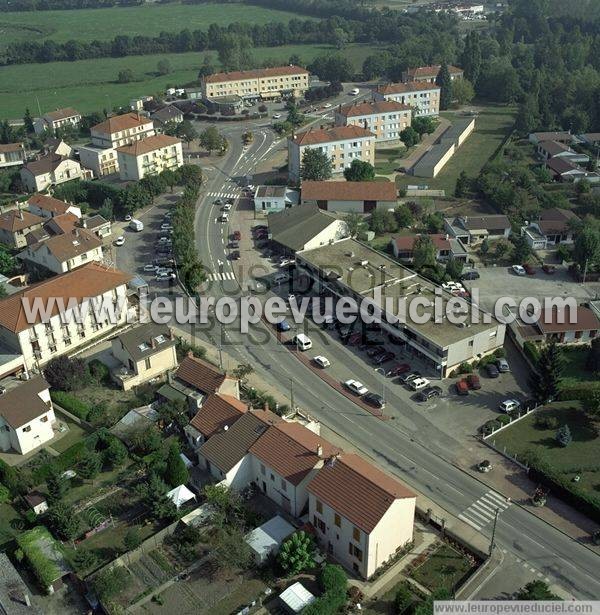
(61, 118)
(48, 171)
(26, 415)
(274, 198)
(553, 227)
(12, 154)
(59, 296)
(385, 118)
(424, 98)
(149, 156)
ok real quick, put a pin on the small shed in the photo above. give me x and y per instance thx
(180, 495)
(267, 538)
(296, 598)
(37, 502)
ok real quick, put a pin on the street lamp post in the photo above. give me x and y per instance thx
(492, 543)
(381, 371)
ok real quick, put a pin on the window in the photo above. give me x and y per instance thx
(26, 429)
(44, 419)
(272, 478)
(262, 469)
(358, 554)
(337, 520)
(356, 534)
(319, 507)
(283, 485)
(147, 362)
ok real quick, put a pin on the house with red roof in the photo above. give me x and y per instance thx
(403, 247)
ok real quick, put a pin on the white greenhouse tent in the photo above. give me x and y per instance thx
(180, 495)
(267, 538)
(296, 597)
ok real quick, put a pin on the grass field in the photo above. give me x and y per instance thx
(443, 569)
(492, 125)
(581, 456)
(148, 20)
(90, 85)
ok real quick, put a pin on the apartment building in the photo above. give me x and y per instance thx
(429, 74)
(349, 268)
(149, 156)
(61, 118)
(342, 144)
(262, 83)
(26, 414)
(16, 224)
(47, 206)
(385, 118)
(423, 98)
(100, 155)
(37, 341)
(12, 154)
(50, 170)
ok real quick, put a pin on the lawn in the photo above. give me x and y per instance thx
(581, 456)
(240, 597)
(8, 515)
(384, 605)
(492, 125)
(76, 433)
(90, 85)
(445, 568)
(574, 366)
(147, 20)
(388, 160)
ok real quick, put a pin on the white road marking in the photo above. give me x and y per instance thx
(482, 511)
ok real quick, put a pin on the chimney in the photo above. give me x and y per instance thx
(83, 223)
(319, 450)
(266, 406)
(20, 213)
(333, 459)
(190, 354)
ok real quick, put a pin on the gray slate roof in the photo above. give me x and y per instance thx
(13, 590)
(295, 226)
(138, 341)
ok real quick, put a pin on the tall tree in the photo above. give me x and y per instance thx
(586, 251)
(359, 171)
(176, 473)
(462, 185)
(28, 122)
(462, 91)
(423, 253)
(445, 82)
(528, 115)
(471, 56)
(316, 165)
(546, 382)
(355, 224)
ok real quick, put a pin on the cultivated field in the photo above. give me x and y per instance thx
(148, 19)
(90, 85)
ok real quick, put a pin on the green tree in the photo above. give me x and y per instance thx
(56, 484)
(340, 38)
(296, 553)
(546, 382)
(107, 209)
(563, 436)
(445, 82)
(484, 248)
(176, 473)
(63, 521)
(170, 178)
(592, 362)
(403, 599)
(409, 136)
(528, 116)
(426, 607)
(67, 374)
(133, 538)
(359, 171)
(404, 217)
(471, 56)
(28, 122)
(294, 117)
(125, 76)
(242, 371)
(316, 165)
(521, 249)
(536, 590)
(163, 67)
(462, 185)
(5, 494)
(89, 465)
(424, 124)
(188, 133)
(423, 253)
(211, 139)
(115, 454)
(462, 91)
(586, 250)
(454, 268)
(355, 223)
(110, 582)
(7, 262)
(230, 549)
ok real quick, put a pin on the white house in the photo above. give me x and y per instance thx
(274, 198)
(48, 207)
(50, 170)
(26, 415)
(61, 118)
(473, 229)
(553, 227)
(40, 339)
(385, 118)
(12, 154)
(149, 156)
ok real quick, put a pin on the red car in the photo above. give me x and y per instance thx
(529, 269)
(401, 368)
(462, 388)
(236, 235)
(473, 382)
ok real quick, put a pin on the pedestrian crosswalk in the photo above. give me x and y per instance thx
(223, 195)
(483, 510)
(225, 275)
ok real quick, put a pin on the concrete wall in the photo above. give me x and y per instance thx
(134, 168)
(483, 343)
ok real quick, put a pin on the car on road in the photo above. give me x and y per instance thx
(354, 92)
(224, 217)
(473, 382)
(502, 365)
(237, 235)
(518, 270)
(284, 325)
(280, 278)
(429, 392)
(397, 370)
(462, 387)
(470, 275)
(374, 400)
(492, 370)
(418, 383)
(166, 226)
(529, 269)
(235, 255)
(120, 240)
(227, 207)
(276, 116)
(218, 202)
(509, 405)
(549, 269)
(165, 240)
(161, 276)
(408, 378)
(322, 361)
(127, 218)
(356, 387)
(234, 245)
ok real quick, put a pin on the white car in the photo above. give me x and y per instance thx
(227, 207)
(150, 268)
(509, 405)
(358, 388)
(518, 270)
(327, 106)
(165, 276)
(276, 116)
(354, 92)
(166, 227)
(322, 361)
(418, 383)
(120, 240)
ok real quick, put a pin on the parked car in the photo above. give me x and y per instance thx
(473, 382)
(276, 116)
(358, 388)
(236, 235)
(150, 268)
(529, 269)
(408, 378)
(375, 350)
(502, 365)
(470, 275)
(397, 370)
(518, 270)
(429, 392)
(462, 387)
(280, 278)
(485, 466)
(322, 361)
(354, 339)
(284, 325)
(492, 370)
(227, 207)
(234, 255)
(345, 332)
(418, 383)
(218, 201)
(549, 269)
(354, 92)
(374, 400)
(120, 240)
(509, 405)
(384, 358)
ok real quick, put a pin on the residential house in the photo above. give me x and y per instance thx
(62, 253)
(473, 229)
(40, 339)
(341, 144)
(149, 156)
(100, 155)
(554, 226)
(558, 136)
(347, 197)
(429, 74)
(97, 224)
(26, 415)
(274, 198)
(53, 120)
(48, 171)
(15, 225)
(144, 352)
(168, 113)
(12, 154)
(217, 414)
(304, 227)
(60, 224)
(423, 98)
(15, 598)
(565, 170)
(47, 206)
(56, 146)
(446, 247)
(385, 118)
(555, 149)
(591, 139)
(262, 83)
(37, 502)
(361, 515)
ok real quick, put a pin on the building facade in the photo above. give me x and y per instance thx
(423, 98)
(429, 74)
(16, 224)
(349, 197)
(47, 206)
(61, 118)
(149, 156)
(274, 198)
(48, 171)
(12, 154)
(385, 118)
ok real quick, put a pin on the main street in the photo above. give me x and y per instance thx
(413, 449)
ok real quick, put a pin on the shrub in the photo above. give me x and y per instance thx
(43, 569)
(66, 374)
(99, 371)
(403, 599)
(532, 352)
(71, 404)
(563, 436)
(332, 577)
(464, 368)
(503, 419)
(543, 421)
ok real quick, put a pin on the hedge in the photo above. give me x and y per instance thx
(333, 582)
(71, 404)
(532, 352)
(44, 569)
(582, 391)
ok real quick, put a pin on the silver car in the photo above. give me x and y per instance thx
(502, 365)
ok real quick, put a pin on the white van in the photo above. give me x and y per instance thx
(355, 92)
(302, 342)
(136, 225)
(224, 217)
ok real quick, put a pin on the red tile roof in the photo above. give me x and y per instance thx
(260, 73)
(559, 321)
(147, 145)
(372, 108)
(61, 114)
(18, 219)
(406, 243)
(89, 280)
(63, 223)
(11, 147)
(357, 490)
(68, 245)
(216, 413)
(48, 203)
(291, 450)
(349, 191)
(118, 123)
(431, 71)
(314, 136)
(405, 88)
(200, 374)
